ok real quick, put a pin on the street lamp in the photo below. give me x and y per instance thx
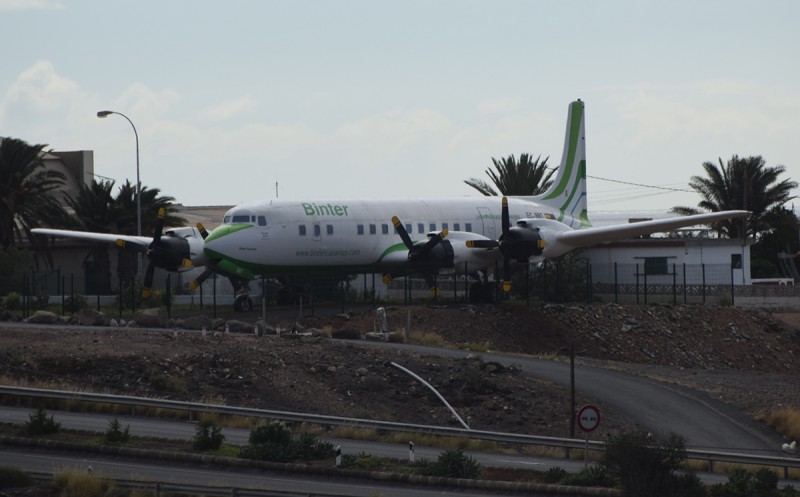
(104, 114)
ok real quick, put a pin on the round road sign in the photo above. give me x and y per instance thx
(588, 418)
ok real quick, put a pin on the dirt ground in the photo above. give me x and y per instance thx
(748, 358)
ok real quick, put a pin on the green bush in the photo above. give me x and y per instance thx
(743, 484)
(592, 476)
(13, 301)
(645, 464)
(555, 475)
(114, 433)
(40, 424)
(274, 442)
(13, 477)
(454, 463)
(208, 436)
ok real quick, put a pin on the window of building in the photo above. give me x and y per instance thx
(656, 265)
(736, 261)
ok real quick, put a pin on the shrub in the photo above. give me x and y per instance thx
(591, 476)
(645, 465)
(13, 477)
(555, 475)
(40, 424)
(274, 442)
(13, 301)
(743, 484)
(454, 463)
(208, 436)
(114, 433)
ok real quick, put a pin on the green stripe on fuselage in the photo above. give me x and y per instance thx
(226, 229)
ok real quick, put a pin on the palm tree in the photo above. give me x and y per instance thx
(27, 192)
(526, 177)
(741, 184)
(95, 209)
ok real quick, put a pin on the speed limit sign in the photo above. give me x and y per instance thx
(588, 418)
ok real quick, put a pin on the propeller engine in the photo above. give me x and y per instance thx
(516, 243)
(425, 257)
(170, 252)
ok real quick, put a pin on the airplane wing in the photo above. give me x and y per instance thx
(141, 241)
(591, 236)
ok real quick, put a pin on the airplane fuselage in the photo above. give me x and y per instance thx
(281, 235)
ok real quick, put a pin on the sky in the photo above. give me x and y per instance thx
(240, 100)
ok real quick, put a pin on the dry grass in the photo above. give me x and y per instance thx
(79, 483)
(786, 421)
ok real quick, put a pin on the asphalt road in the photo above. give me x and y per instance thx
(704, 423)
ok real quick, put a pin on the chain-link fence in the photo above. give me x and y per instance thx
(566, 280)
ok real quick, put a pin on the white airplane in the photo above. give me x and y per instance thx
(394, 236)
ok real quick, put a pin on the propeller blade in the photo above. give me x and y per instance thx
(504, 215)
(148, 280)
(506, 275)
(159, 226)
(433, 241)
(401, 230)
(482, 244)
(195, 283)
(203, 231)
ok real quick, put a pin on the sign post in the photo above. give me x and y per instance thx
(588, 420)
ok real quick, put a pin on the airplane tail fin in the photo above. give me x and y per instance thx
(567, 194)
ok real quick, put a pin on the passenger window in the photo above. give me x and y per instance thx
(302, 230)
(444, 226)
(409, 229)
(456, 227)
(372, 229)
(329, 229)
(262, 221)
(420, 228)
(385, 229)
(317, 230)
(468, 227)
(432, 227)
(360, 229)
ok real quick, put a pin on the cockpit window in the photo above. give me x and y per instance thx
(262, 221)
(226, 220)
(241, 219)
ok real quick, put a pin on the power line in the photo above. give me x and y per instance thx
(641, 185)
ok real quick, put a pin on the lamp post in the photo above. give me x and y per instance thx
(103, 114)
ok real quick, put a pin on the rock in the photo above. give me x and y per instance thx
(197, 323)
(91, 317)
(154, 317)
(265, 329)
(236, 326)
(43, 317)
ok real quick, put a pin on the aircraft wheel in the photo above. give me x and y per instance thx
(243, 303)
